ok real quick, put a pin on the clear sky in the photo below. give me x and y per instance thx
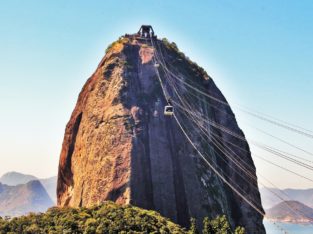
(259, 53)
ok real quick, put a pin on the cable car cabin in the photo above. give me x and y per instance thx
(168, 110)
(156, 65)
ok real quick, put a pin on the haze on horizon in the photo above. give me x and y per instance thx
(258, 53)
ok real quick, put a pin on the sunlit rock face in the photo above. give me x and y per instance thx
(119, 146)
(146, 54)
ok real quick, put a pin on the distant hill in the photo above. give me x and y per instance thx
(23, 198)
(269, 200)
(290, 211)
(50, 184)
(14, 178)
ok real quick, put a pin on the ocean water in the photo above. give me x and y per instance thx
(289, 227)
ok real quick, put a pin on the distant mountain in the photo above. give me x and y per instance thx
(50, 185)
(290, 211)
(269, 199)
(14, 178)
(23, 198)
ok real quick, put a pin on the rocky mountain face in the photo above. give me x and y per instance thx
(290, 211)
(119, 146)
(23, 198)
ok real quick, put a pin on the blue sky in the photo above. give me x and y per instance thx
(259, 53)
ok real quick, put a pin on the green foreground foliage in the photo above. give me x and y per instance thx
(107, 218)
(219, 225)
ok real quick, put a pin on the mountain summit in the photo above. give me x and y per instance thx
(133, 135)
(14, 178)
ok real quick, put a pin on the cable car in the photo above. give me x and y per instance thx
(156, 65)
(168, 110)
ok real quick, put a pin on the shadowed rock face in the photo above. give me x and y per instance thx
(119, 146)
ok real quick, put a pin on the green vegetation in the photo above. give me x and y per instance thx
(219, 225)
(111, 46)
(117, 44)
(182, 58)
(193, 226)
(107, 218)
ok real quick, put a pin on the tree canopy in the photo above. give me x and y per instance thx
(106, 218)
